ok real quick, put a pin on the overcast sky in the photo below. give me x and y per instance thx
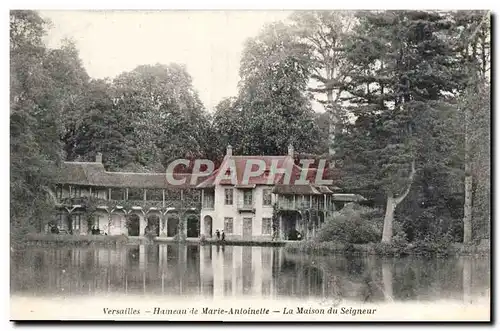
(209, 43)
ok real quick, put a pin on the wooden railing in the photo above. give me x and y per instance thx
(87, 202)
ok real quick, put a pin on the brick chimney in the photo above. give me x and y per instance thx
(290, 150)
(98, 158)
(229, 150)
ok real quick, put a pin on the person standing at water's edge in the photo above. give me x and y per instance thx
(223, 236)
(217, 234)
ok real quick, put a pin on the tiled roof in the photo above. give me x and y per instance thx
(294, 185)
(237, 165)
(94, 174)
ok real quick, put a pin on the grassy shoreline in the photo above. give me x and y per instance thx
(302, 247)
(381, 249)
(71, 240)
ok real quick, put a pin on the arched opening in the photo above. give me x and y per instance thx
(133, 225)
(172, 225)
(61, 224)
(193, 226)
(118, 222)
(101, 222)
(208, 226)
(93, 223)
(321, 216)
(153, 224)
(290, 223)
(77, 221)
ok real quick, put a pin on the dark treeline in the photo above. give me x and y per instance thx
(407, 95)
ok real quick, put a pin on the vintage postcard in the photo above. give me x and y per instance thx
(250, 165)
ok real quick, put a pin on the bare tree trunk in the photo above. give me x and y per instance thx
(332, 125)
(387, 280)
(388, 219)
(467, 279)
(468, 210)
(392, 203)
(468, 182)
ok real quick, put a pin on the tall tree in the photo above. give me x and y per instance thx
(168, 118)
(34, 123)
(474, 51)
(228, 125)
(70, 84)
(102, 128)
(402, 67)
(326, 33)
(275, 110)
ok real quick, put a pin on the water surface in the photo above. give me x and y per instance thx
(239, 272)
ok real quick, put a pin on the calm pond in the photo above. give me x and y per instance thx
(242, 271)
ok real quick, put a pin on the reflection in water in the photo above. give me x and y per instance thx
(387, 279)
(239, 271)
(467, 279)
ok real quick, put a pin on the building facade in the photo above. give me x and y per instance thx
(91, 200)
(263, 209)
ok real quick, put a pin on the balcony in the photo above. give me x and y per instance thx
(298, 203)
(86, 202)
(246, 207)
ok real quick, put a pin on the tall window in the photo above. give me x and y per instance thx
(60, 220)
(76, 221)
(228, 196)
(95, 221)
(208, 199)
(266, 198)
(228, 225)
(59, 191)
(77, 191)
(266, 226)
(247, 197)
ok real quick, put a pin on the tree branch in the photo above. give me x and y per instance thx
(412, 175)
(319, 78)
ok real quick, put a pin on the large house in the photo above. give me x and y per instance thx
(93, 200)
(113, 203)
(262, 209)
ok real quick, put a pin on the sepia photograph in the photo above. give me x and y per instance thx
(250, 165)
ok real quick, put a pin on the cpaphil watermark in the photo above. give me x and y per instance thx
(248, 171)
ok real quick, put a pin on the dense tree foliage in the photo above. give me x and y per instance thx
(406, 94)
(326, 34)
(273, 108)
(35, 122)
(404, 68)
(168, 118)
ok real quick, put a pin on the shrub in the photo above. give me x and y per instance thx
(353, 224)
(434, 244)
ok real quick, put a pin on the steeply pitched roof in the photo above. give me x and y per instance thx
(290, 183)
(79, 173)
(94, 174)
(236, 166)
